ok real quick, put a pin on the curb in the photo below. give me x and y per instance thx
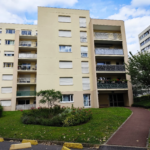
(147, 143)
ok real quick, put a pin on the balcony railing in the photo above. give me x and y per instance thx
(27, 67)
(110, 67)
(108, 51)
(25, 106)
(26, 80)
(25, 55)
(111, 85)
(28, 33)
(107, 36)
(27, 44)
(26, 93)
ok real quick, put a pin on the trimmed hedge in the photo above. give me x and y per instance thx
(1, 111)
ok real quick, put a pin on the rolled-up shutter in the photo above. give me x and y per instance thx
(83, 37)
(86, 83)
(5, 103)
(66, 81)
(8, 52)
(7, 77)
(64, 19)
(82, 22)
(64, 33)
(6, 90)
(65, 64)
(85, 67)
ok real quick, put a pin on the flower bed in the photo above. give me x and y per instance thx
(56, 116)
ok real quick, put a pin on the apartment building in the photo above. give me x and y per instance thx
(144, 40)
(67, 51)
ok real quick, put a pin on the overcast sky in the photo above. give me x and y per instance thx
(135, 13)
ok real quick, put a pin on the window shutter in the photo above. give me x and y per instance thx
(82, 22)
(85, 67)
(66, 81)
(84, 49)
(0, 42)
(63, 64)
(64, 19)
(64, 33)
(8, 52)
(6, 90)
(83, 37)
(7, 77)
(86, 83)
(5, 103)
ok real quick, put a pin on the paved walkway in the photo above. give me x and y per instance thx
(135, 130)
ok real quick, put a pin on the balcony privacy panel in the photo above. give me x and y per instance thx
(86, 83)
(64, 19)
(7, 77)
(25, 55)
(82, 22)
(25, 106)
(63, 33)
(66, 81)
(108, 51)
(25, 43)
(67, 64)
(63, 48)
(6, 90)
(5, 103)
(85, 67)
(83, 37)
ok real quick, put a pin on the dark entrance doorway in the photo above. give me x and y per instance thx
(116, 100)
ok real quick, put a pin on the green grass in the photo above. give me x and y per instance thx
(104, 122)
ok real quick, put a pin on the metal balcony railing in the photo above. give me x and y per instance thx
(107, 36)
(27, 67)
(25, 106)
(111, 85)
(25, 55)
(108, 51)
(27, 44)
(110, 67)
(26, 93)
(26, 80)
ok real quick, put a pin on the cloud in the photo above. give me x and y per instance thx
(140, 3)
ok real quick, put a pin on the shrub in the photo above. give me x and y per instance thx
(1, 110)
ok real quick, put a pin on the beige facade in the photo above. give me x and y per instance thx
(71, 53)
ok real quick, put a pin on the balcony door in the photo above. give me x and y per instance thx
(116, 100)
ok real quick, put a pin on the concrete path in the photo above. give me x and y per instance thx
(135, 130)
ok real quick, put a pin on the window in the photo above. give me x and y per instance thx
(7, 77)
(9, 42)
(66, 81)
(85, 67)
(22, 102)
(6, 90)
(67, 98)
(5, 103)
(64, 33)
(8, 65)
(26, 32)
(64, 19)
(36, 32)
(10, 31)
(82, 22)
(103, 63)
(86, 83)
(8, 53)
(0, 42)
(65, 48)
(87, 101)
(84, 51)
(0, 30)
(65, 64)
(83, 37)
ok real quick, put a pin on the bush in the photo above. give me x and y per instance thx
(57, 117)
(1, 110)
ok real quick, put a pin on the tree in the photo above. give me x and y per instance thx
(50, 97)
(138, 68)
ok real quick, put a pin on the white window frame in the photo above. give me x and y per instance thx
(7, 42)
(71, 98)
(27, 32)
(66, 48)
(89, 101)
(6, 105)
(10, 31)
(62, 33)
(6, 92)
(5, 66)
(62, 19)
(4, 78)
(9, 53)
(0, 30)
(65, 84)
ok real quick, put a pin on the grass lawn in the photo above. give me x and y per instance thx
(105, 121)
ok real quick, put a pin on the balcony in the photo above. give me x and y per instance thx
(26, 55)
(26, 93)
(110, 67)
(26, 80)
(107, 36)
(112, 85)
(108, 51)
(27, 67)
(25, 106)
(27, 44)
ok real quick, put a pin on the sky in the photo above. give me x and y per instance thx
(135, 13)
